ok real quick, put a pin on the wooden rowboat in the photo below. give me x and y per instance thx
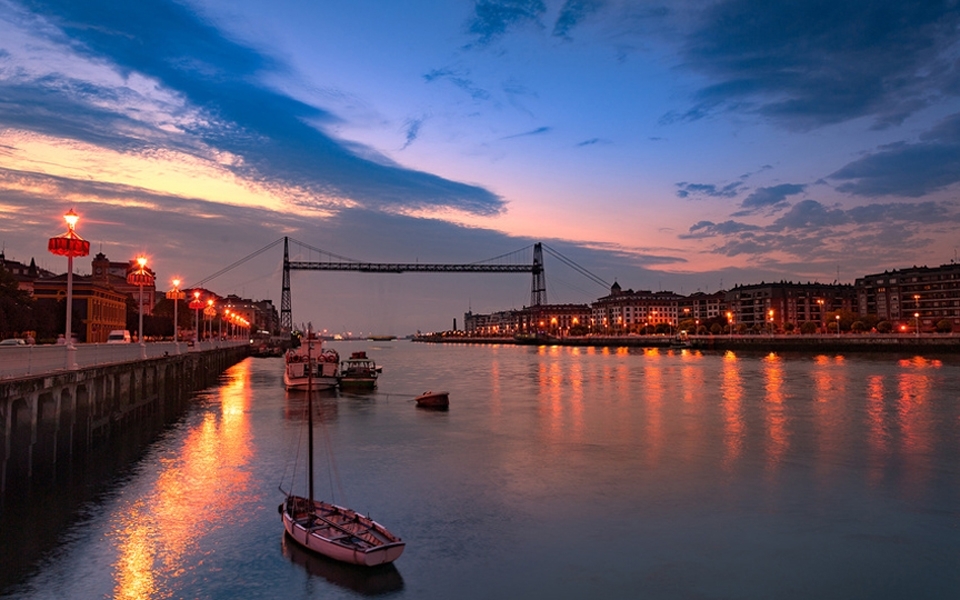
(433, 400)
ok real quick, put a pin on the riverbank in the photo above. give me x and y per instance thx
(870, 342)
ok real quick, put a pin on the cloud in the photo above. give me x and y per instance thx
(537, 131)
(907, 169)
(459, 80)
(156, 76)
(413, 131)
(492, 18)
(704, 229)
(812, 233)
(810, 63)
(592, 142)
(768, 198)
(729, 190)
(572, 13)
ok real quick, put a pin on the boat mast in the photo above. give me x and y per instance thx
(310, 414)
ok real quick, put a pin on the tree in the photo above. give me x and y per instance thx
(16, 306)
(884, 327)
(944, 326)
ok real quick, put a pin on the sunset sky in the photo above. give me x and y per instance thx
(676, 145)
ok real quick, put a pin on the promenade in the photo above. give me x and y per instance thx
(847, 342)
(36, 360)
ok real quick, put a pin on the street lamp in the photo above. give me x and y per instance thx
(208, 313)
(916, 317)
(69, 244)
(196, 305)
(176, 296)
(822, 322)
(140, 277)
(770, 313)
(838, 326)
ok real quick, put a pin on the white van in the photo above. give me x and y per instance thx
(119, 336)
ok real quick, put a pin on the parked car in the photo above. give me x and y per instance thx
(13, 342)
(119, 336)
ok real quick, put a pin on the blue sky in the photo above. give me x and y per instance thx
(682, 145)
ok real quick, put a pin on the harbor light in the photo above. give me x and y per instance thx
(140, 277)
(69, 244)
(176, 296)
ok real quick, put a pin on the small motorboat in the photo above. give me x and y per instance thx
(358, 372)
(433, 400)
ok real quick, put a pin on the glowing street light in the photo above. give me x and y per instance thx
(69, 244)
(838, 326)
(176, 296)
(196, 304)
(916, 317)
(208, 313)
(140, 277)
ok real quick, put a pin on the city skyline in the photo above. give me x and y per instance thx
(684, 147)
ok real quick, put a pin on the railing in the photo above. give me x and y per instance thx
(22, 361)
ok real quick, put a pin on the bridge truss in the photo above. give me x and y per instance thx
(538, 292)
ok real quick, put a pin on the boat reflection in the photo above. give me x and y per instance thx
(324, 405)
(367, 581)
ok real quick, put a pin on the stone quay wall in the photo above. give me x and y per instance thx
(49, 420)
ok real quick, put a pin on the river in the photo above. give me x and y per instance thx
(556, 473)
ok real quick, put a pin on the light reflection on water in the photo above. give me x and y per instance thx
(557, 472)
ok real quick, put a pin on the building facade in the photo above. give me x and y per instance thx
(97, 309)
(629, 311)
(918, 295)
(774, 305)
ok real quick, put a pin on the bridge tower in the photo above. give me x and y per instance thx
(538, 291)
(286, 307)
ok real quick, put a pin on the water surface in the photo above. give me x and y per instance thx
(556, 473)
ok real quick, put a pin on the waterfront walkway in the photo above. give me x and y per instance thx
(36, 360)
(847, 342)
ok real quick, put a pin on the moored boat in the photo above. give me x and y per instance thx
(433, 400)
(311, 360)
(335, 531)
(358, 372)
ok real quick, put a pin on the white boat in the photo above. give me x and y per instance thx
(311, 360)
(358, 372)
(335, 531)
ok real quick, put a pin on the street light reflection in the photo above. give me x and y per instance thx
(182, 508)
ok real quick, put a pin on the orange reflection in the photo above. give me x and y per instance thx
(653, 394)
(879, 436)
(731, 387)
(776, 420)
(188, 497)
(912, 405)
(829, 395)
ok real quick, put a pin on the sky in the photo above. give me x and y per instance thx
(684, 145)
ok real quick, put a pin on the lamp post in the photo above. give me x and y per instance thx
(916, 318)
(196, 305)
(838, 326)
(176, 296)
(823, 323)
(208, 313)
(69, 244)
(770, 313)
(140, 277)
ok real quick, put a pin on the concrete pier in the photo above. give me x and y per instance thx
(50, 420)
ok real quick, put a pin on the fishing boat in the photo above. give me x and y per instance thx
(433, 400)
(331, 530)
(358, 372)
(310, 360)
